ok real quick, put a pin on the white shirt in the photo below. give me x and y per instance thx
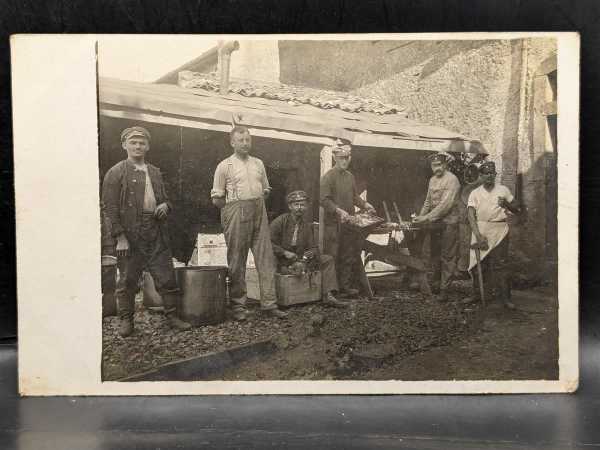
(149, 198)
(240, 179)
(486, 203)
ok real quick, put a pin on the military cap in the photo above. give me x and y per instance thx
(134, 131)
(441, 157)
(341, 148)
(296, 196)
(487, 167)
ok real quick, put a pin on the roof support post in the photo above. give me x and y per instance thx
(224, 58)
(326, 164)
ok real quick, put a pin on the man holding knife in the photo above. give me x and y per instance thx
(339, 196)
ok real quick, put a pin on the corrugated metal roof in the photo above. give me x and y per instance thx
(361, 128)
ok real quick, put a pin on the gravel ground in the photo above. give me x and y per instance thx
(337, 341)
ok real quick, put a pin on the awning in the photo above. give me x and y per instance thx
(201, 108)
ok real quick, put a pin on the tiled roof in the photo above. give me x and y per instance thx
(293, 95)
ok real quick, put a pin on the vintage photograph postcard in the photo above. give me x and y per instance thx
(297, 214)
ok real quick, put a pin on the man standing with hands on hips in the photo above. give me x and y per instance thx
(339, 196)
(136, 205)
(239, 190)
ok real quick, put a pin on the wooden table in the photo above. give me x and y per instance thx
(414, 235)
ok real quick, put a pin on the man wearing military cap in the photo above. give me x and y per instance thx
(487, 209)
(441, 208)
(137, 206)
(293, 240)
(339, 196)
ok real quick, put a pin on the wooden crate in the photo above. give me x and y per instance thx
(294, 289)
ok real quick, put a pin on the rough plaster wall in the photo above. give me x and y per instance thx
(538, 50)
(529, 237)
(466, 93)
(256, 60)
(349, 65)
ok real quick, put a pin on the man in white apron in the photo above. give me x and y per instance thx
(487, 212)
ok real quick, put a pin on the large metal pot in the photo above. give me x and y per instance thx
(152, 299)
(203, 299)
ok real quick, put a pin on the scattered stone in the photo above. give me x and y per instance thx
(282, 342)
(317, 320)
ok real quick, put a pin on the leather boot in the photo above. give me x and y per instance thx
(126, 304)
(330, 300)
(175, 323)
(276, 312)
(170, 305)
(348, 293)
(240, 315)
(126, 326)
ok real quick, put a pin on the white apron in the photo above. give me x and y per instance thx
(494, 232)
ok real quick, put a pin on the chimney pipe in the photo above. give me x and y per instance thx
(225, 50)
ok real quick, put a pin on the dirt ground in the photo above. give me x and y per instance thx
(398, 335)
(492, 343)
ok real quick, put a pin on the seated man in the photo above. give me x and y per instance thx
(293, 242)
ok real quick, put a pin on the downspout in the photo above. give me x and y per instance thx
(224, 54)
(523, 115)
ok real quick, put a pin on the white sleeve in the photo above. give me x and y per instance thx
(473, 200)
(264, 179)
(219, 182)
(508, 195)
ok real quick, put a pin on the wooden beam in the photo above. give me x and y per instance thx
(326, 164)
(198, 124)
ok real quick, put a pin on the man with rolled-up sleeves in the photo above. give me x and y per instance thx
(441, 207)
(339, 196)
(239, 190)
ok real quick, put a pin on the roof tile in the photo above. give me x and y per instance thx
(293, 95)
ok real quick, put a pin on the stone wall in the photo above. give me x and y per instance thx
(483, 89)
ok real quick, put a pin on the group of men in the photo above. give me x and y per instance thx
(486, 211)
(240, 188)
(136, 205)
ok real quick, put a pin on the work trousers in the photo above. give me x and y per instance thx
(148, 252)
(444, 253)
(343, 244)
(329, 282)
(246, 226)
(495, 269)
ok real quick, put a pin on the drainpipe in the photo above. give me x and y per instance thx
(225, 50)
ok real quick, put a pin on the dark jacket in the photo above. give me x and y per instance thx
(123, 197)
(282, 230)
(338, 190)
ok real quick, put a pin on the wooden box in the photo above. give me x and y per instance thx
(294, 289)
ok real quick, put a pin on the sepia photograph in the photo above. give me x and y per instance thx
(297, 214)
(328, 209)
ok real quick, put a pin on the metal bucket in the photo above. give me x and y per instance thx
(151, 299)
(203, 299)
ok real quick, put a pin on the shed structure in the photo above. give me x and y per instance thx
(292, 127)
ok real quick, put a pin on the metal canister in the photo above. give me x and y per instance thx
(203, 294)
